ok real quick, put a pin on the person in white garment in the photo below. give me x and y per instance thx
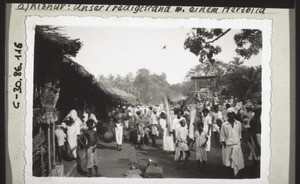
(140, 126)
(73, 125)
(230, 136)
(119, 130)
(181, 144)
(217, 120)
(168, 140)
(175, 127)
(201, 139)
(207, 125)
(60, 140)
(154, 127)
(176, 122)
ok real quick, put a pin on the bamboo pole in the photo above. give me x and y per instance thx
(168, 113)
(49, 148)
(193, 114)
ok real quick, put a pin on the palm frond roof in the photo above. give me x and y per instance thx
(58, 40)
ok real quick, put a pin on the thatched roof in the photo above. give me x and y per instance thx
(115, 93)
(88, 77)
(130, 98)
(71, 72)
(58, 40)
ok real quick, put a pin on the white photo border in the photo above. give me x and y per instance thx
(265, 25)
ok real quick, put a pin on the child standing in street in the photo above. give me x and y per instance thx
(201, 139)
(91, 148)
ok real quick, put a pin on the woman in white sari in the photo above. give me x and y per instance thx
(73, 130)
(168, 139)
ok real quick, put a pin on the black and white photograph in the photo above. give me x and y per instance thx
(157, 92)
(134, 98)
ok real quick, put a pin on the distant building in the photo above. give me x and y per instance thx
(205, 85)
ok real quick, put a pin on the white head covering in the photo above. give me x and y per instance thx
(231, 109)
(93, 117)
(64, 125)
(72, 114)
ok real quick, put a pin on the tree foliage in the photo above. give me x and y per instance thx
(235, 64)
(244, 82)
(150, 88)
(249, 42)
(241, 82)
(200, 42)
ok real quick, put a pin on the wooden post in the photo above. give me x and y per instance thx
(195, 85)
(214, 89)
(42, 161)
(49, 148)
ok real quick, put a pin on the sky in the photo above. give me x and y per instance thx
(118, 51)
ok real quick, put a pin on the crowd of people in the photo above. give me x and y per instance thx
(191, 125)
(78, 132)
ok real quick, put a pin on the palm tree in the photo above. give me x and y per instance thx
(235, 64)
(216, 68)
(243, 82)
(198, 70)
(252, 77)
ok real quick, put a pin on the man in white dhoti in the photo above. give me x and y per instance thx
(230, 136)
